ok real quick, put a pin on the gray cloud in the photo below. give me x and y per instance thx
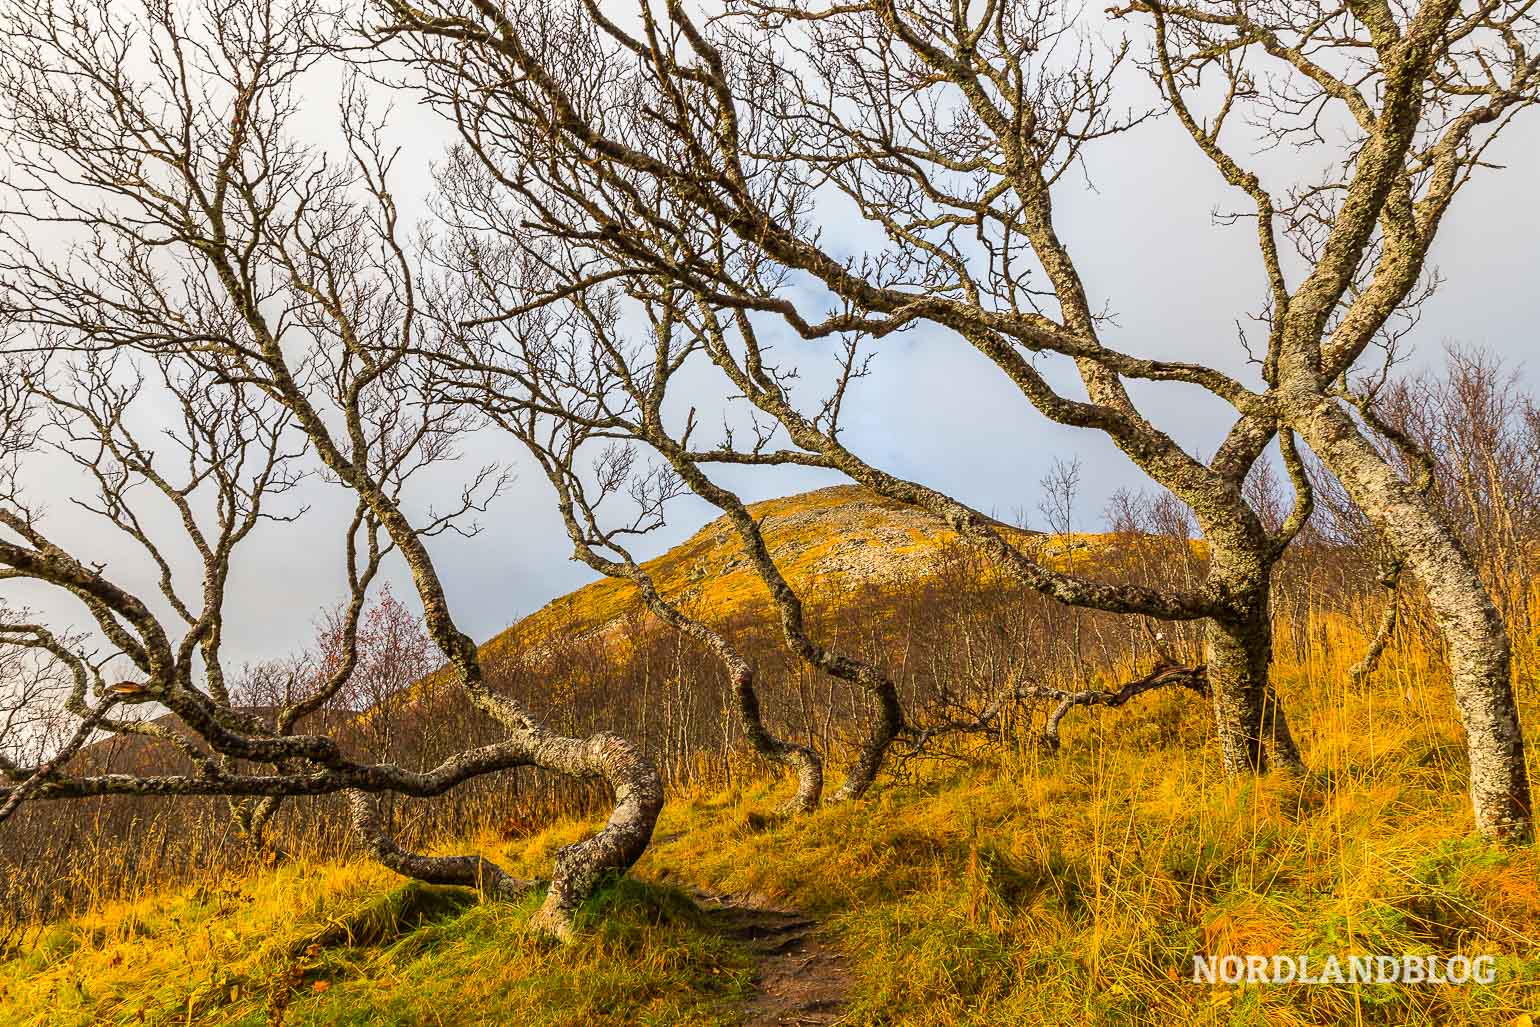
(932, 409)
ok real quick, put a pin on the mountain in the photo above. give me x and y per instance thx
(829, 541)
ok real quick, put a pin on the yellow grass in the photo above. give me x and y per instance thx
(1017, 889)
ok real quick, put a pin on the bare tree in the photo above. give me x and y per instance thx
(699, 149)
(363, 659)
(1420, 93)
(564, 379)
(195, 228)
(698, 155)
(32, 686)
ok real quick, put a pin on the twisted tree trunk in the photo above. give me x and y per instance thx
(800, 759)
(582, 866)
(884, 730)
(635, 780)
(1479, 649)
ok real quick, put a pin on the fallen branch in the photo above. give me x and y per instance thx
(1162, 675)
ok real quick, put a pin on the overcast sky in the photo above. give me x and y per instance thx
(932, 410)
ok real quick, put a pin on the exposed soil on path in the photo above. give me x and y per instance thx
(798, 979)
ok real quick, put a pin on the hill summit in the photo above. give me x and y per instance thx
(834, 539)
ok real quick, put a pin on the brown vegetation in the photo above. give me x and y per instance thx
(961, 631)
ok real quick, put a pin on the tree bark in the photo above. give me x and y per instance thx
(800, 759)
(887, 727)
(582, 866)
(1253, 731)
(471, 871)
(1236, 659)
(1479, 649)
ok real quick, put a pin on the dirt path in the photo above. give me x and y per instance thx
(800, 982)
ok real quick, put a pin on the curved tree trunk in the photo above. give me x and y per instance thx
(868, 676)
(580, 867)
(800, 759)
(803, 761)
(884, 730)
(634, 779)
(638, 788)
(471, 871)
(1479, 650)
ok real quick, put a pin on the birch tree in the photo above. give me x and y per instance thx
(706, 148)
(160, 203)
(696, 158)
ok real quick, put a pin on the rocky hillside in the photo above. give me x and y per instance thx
(831, 540)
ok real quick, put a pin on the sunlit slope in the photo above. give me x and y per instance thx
(827, 543)
(1015, 892)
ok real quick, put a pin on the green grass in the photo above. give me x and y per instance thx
(647, 957)
(1014, 890)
